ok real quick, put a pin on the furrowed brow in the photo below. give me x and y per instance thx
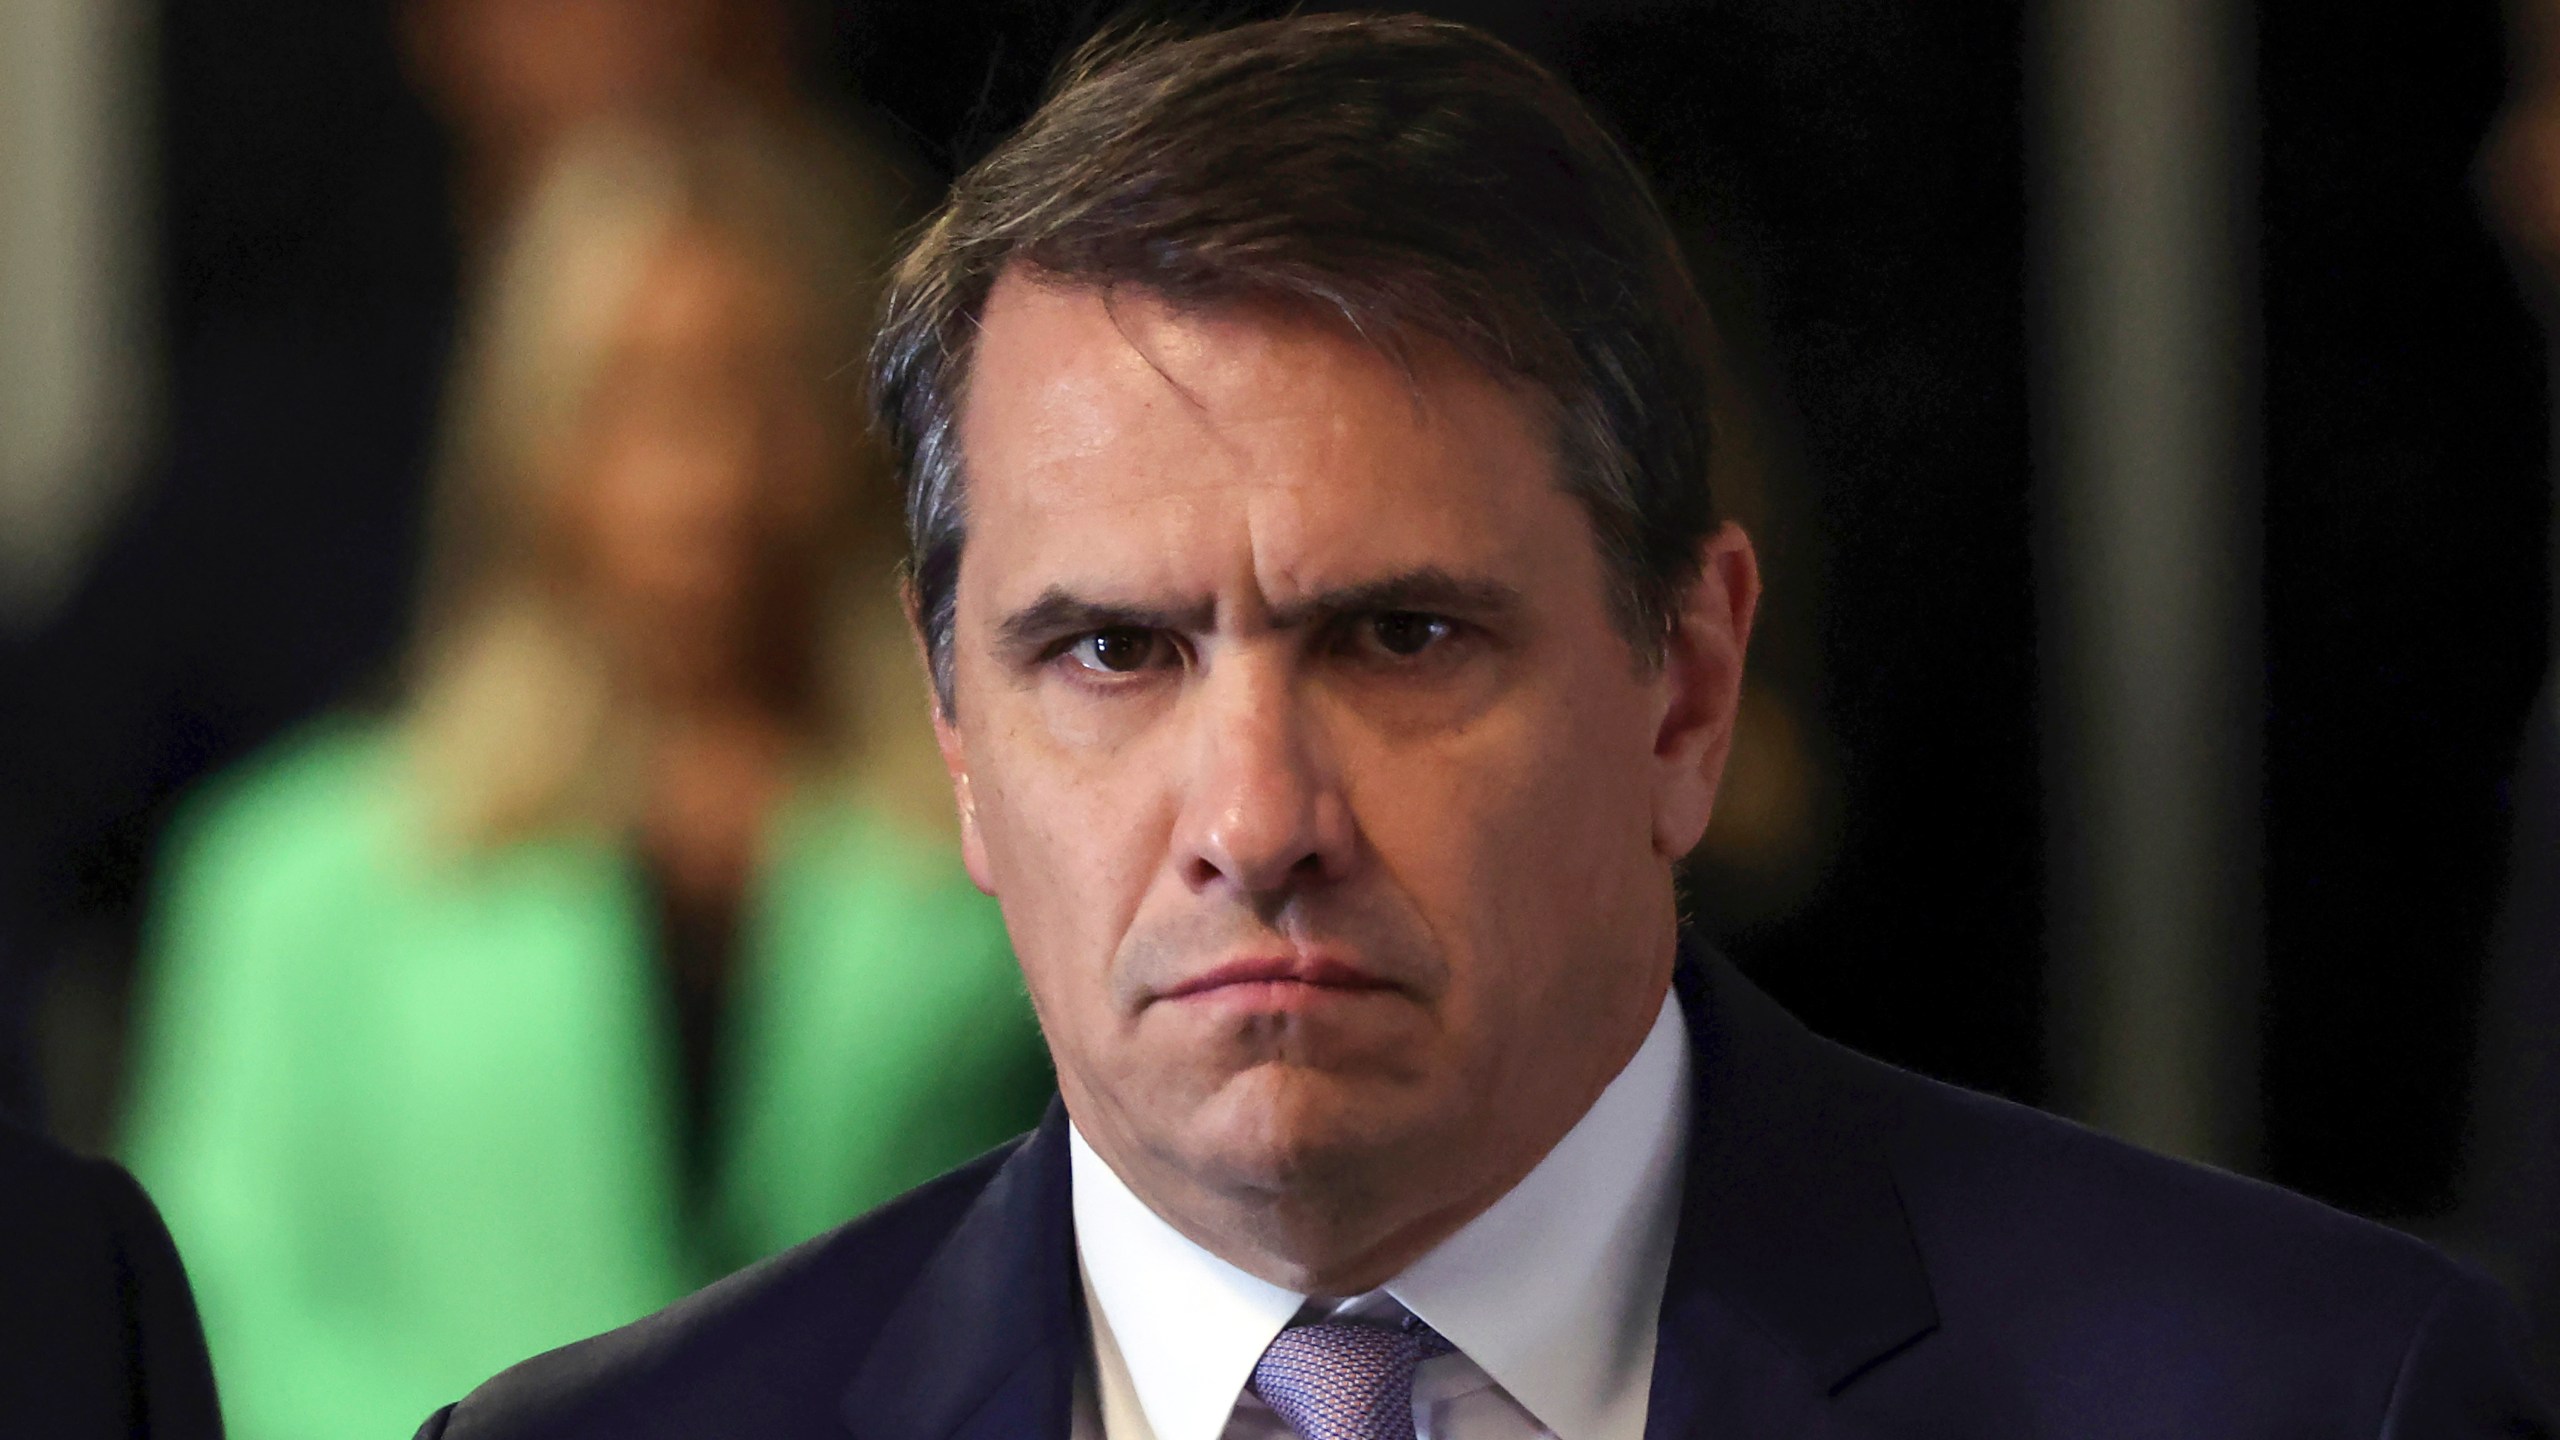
(1059, 613)
(1429, 590)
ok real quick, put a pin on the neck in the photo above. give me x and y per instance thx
(715, 775)
(730, 684)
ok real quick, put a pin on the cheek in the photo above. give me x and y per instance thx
(1104, 741)
(1509, 837)
(1072, 848)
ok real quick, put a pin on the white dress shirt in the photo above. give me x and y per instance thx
(1551, 1296)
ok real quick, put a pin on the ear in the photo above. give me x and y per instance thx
(955, 762)
(1702, 689)
(955, 751)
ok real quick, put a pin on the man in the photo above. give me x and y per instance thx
(98, 1333)
(1336, 649)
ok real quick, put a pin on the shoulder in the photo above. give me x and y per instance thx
(848, 868)
(1971, 1165)
(275, 873)
(2049, 1243)
(322, 799)
(772, 1348)
(94, 1306)
(838, 827)
(76, 1219)
(50, 1196)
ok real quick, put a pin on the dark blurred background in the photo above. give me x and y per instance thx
(1874, 193)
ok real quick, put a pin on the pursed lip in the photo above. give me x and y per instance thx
(1322, 972)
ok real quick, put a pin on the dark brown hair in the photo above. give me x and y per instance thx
(1417, 179)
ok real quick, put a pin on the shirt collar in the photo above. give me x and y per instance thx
(1554, 1292)
(1188, 1326)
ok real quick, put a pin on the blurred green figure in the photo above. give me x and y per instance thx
(631, 945)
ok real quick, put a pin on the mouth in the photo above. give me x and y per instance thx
(1279, 980)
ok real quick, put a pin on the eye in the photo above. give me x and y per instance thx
(1117, 651)
(1408, 632)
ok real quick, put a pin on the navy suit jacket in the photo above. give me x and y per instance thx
(1861, 1253)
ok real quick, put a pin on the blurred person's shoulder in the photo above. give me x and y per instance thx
(98, 1331)
(853, 870)
(324, 803)
(768, 1351)
(851, 854)
(849, 830)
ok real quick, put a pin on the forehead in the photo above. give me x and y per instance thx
(1094, 420)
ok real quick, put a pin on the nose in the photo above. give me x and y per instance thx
(1265, 813)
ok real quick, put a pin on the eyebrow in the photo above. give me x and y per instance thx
(1060, 612)
(1428, 589)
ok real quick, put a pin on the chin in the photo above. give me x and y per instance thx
(1284, 1127)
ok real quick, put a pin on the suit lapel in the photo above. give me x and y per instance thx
(988, 1340)
(1794, 1270)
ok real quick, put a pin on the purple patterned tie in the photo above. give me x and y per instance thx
(1345, 1382)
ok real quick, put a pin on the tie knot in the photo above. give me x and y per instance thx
(1334, 1381)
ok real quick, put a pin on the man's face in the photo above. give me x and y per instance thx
(1332, 817)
